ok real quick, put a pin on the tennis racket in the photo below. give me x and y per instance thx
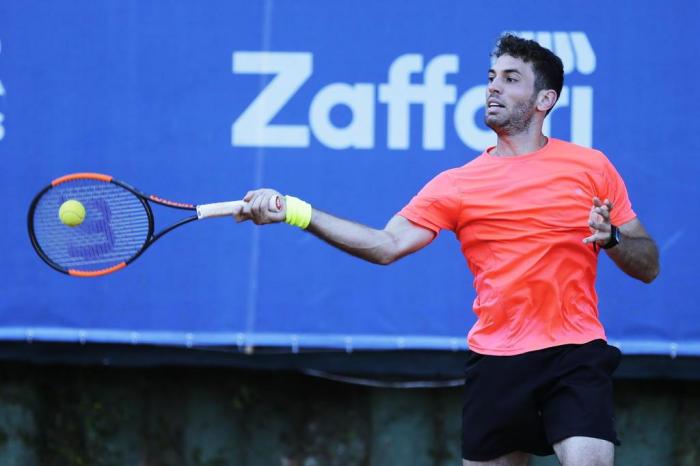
(118, 224)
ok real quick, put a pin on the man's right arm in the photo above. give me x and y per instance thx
(399, 237)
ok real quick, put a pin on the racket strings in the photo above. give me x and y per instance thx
(115, 228)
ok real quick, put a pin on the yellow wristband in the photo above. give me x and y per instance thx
(298, 212)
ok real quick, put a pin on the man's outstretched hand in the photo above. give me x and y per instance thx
(262, 206)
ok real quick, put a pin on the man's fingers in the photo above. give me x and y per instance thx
(595, 217)
(599, 221)
(606, 203)
(597, 237)
(590, 239)
(243, 213)
(603, 212)
(262, 211)
(604, 227)
(262, 206)
(255, 207)
(271, 207)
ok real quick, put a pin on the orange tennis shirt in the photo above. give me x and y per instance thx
(521, 221)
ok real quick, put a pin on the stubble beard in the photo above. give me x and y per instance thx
(516, 122)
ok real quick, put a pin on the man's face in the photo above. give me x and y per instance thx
(510, 96)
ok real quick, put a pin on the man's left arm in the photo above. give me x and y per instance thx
(636, 254)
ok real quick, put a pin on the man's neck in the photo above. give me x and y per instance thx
(512, 145)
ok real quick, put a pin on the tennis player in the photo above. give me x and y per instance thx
(531, 214)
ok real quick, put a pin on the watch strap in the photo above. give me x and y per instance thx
(614, 237)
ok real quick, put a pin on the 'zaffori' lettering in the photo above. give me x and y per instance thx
(291, 70)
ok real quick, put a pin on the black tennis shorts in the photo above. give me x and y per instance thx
(531, 401)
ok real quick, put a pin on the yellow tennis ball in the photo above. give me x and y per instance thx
(71, 213)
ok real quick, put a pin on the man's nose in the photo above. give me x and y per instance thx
(493, 87)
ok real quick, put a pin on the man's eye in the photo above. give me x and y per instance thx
(511, 80)
(490, 78)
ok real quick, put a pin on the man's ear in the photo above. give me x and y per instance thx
(546, 99)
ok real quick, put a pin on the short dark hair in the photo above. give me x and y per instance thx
(548, 68)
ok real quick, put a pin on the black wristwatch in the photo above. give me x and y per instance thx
(614, 238)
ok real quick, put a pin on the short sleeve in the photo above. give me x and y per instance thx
(613, 188)
(436, 206)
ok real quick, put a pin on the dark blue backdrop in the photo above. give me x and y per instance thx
(150, 92)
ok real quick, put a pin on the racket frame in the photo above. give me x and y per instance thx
(145, 200)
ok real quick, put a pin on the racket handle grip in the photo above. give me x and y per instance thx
(226, 209)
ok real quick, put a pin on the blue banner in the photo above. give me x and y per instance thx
(352, 106)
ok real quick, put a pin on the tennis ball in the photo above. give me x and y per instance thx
(71, 213)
